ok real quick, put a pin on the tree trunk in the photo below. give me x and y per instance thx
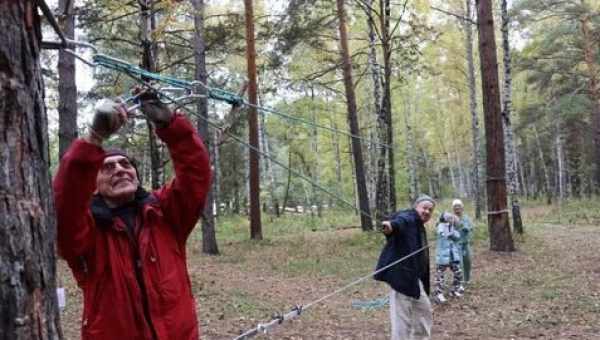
(254, 192)
(338, 157)
(67, 89)
(216, 180)
(386, 105)
(591, 60)
(316, 196)
(411, 149)
(511, 167)
(209, 240)
(544, 167)
(361, 185)
(149, 62)
(477, 188)
(28, 304)
(377, 193)
(498, 222)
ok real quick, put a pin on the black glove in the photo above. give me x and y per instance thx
(155, 110)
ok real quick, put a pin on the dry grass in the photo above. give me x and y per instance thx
(549, 289)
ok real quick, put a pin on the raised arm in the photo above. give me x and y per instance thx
(75, 182)
(74, 185)
(183, 199)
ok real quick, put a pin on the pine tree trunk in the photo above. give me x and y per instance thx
(477, 187)
(28, 304)
(254, 189)
(506, 115)
(498, 221)
(209, 239)
(67, 89)
(361, 185)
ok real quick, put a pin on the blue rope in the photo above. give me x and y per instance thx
(214, 93)
(122, 66)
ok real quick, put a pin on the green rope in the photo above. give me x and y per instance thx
(122, 66)
(214, 93)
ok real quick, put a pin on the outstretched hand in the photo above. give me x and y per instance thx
(386, 227)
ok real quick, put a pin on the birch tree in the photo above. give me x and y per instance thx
(506, 116)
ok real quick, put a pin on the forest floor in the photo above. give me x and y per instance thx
(548, 289)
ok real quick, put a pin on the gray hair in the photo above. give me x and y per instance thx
(423, 198)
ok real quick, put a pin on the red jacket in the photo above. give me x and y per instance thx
(100, 253)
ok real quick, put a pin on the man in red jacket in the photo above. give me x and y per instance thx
(125, 246)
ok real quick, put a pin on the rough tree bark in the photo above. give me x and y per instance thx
(28, 304)
(361, 185)
(498, 222)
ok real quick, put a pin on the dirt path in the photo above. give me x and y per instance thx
(550, 289)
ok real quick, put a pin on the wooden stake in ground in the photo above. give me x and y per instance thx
(498, 222)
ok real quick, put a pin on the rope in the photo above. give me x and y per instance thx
(295, 312)
(498, 212)
(214, 93)
(296, 173)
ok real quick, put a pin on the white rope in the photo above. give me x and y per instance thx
(264, 328)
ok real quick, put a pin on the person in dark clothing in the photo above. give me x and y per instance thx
(410, 308)
(124, 245)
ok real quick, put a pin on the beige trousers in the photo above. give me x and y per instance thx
(411, 318)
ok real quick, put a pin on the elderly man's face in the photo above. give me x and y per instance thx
(117, 180)
(425, 210)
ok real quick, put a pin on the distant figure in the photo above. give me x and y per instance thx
(465, 227)
(447, 256)
(410, 308)
(126, 246)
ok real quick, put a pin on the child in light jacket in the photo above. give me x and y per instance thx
(448, 256)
